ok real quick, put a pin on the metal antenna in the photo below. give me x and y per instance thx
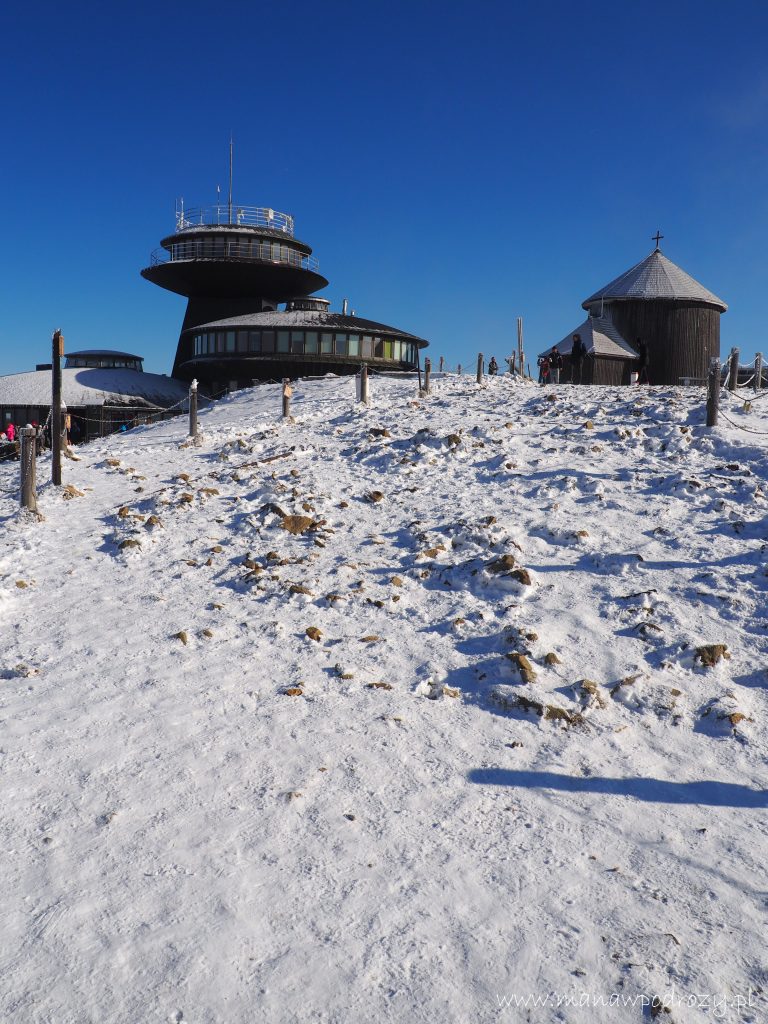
(230, 177)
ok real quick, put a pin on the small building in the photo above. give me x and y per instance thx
(101, 389)
(609, 360)
(657, 303)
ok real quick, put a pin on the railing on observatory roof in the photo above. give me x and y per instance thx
(246, 250)
(236, 215)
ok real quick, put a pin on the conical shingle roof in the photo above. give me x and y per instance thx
(655, 277)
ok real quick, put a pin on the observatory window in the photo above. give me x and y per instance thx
(378, 348)
(366, 349)
(230, 341)
(326, 344)
(218, 247)
(275, 251)
(254, 341)
(282, 341)
(389, 350)
(297, 342)
(267, 341)
(341, 344)
(310, 346)
(221, 341)
(353, 345)
(242, 341)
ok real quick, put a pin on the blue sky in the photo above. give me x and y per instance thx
(453, 165)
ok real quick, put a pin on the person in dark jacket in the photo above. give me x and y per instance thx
(555, 364)
(578, 351)
(642, 362)
(493, 366)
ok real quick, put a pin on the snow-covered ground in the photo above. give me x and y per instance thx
(498, 775)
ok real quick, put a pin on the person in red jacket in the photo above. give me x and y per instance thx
(10, 432)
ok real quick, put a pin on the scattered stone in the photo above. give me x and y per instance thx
(504, 564)
(377, 686)
(129, 542)
(123, 512)
(152, 521)
(710, 654)
(182, 635)
(22, 584)
(207, 633)
(396, 581)
(589, 425)
(297, 588)
(297, 524)
(374, 497)
(371, 639)
(71, 491)
(379, 432)
(343, 504)
(217, 549)
(453, 440)
(209, 492)
(314, 633)
(186, 498)
(551, 659)
(293, 691)
(523, 666)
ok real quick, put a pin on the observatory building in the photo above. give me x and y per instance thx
(237, 265)
(658, 303)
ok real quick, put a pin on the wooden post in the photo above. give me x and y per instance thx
(427, 373)
(513, 364)
(713, 392)
(28, 468)
(758, 382)
(442, 364)
(479, 367)
(364, 385)
(287, 392)
(734, 370)
(193, 409)
(57, 353)
(459, 369)
(520, 352)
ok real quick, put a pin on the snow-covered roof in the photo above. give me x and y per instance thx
(600, 338)
(306, 318)
(656, 277)
(102, 353)
(92, 386)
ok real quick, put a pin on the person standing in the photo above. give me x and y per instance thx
(493, 366)
(10, 432)
(555, 364)
(642, 362)
(578, 351)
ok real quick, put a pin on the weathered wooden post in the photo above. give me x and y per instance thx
(713, 391)
(758, 382)
(733, 378)
(193, 409)
(364, 385)
(520, 352)
(28, 468)
(513, 364)
(458, 369)
(287, 392)
(427, 374)
(479, 367)
(442, 364)
(57, 353)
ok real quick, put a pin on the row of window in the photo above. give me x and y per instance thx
(106, 361)
(242, 248)
(363, 346)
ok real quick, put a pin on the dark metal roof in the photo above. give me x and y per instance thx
(307, 319)
(656, 277)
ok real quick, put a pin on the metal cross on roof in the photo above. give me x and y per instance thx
(656, 238)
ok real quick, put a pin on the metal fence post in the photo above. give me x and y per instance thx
(58, 351)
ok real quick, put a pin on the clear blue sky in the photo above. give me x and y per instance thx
(454, 165)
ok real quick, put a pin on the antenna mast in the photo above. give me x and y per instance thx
(230, 178)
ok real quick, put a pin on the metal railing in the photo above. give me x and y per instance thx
(224, 213)
(246, 251)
